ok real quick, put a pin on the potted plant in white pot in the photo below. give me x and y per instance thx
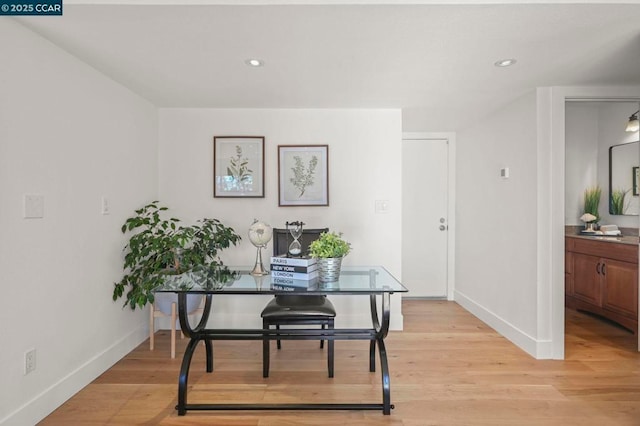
(329, 249)
(159, 247)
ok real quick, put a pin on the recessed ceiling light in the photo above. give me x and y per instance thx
(505, 63)
(254, 62)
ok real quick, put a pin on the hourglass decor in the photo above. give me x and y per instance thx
(295, 229)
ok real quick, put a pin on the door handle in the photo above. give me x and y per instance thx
(598, 268)
(442, 227)
(603, 269)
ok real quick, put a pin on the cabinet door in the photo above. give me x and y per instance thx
(621, 287)
(587, 283)
(568, 273)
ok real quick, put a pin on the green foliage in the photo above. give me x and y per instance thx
(160, 246)
(329, 245)
(238, 166)
(592, 201)
(303, 177)
(618, 197)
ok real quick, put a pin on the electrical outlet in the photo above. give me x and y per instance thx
(29, 361)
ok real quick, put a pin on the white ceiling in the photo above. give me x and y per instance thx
(435, 61)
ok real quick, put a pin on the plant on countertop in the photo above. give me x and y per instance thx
(162, 246)
(618, 197)
(329, 245)
(592, 201)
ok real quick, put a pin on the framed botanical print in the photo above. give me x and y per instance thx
(238, 166)
(303, 175)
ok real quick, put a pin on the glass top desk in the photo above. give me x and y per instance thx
(372, 281)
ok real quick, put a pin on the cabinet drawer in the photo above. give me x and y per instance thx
(611, 250)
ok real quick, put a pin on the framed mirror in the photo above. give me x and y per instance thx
(624, 162)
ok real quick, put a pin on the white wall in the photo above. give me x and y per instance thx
(364, 166)
(510, 236)
(71, 135)
(497, 221)
(581, 157)
(591, 128)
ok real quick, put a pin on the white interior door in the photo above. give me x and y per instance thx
(424, 217)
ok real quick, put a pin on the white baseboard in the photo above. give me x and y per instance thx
(538, 349)
(51, 398)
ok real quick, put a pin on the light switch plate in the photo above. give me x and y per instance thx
(105, 206)
(382, 206)
(33, 206)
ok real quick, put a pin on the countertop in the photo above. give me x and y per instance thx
(573, 232)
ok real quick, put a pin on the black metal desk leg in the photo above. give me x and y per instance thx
(375, 322)
(386, 383)
(184, 377)
(208, 345)
(384, 365)
(372, 356)
(186, 328)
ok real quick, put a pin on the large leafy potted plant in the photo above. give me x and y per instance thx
(329, 249)
(159, 246)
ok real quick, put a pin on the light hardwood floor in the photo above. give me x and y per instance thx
(447, 368)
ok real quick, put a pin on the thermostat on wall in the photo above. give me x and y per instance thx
(504, 172)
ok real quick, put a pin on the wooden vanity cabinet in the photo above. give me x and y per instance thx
(602, 277)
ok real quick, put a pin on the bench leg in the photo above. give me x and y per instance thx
(152, 327)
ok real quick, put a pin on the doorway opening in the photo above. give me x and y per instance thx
(601, 268)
